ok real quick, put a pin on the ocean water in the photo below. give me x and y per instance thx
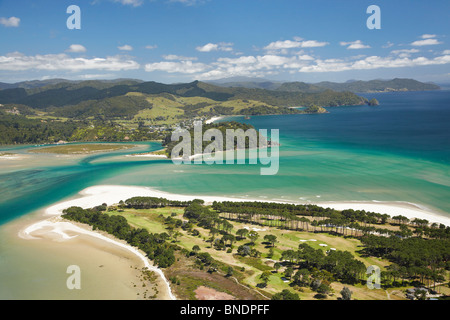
(398, 151)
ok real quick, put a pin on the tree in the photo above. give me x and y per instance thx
(230, 238)
(270, 254)
(196, 248)
(420, 294)
(265, 277)
(242, 233)
(346, 294)
(213, 267)
(244, 250)
(301, 277)
(253, 236)
(285, 295)
(175, 235)
(230, 272)
(271, 239)
(277, 266)
(288, 272)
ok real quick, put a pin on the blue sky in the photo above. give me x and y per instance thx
(184, 40)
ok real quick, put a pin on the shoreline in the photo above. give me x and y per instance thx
(63, 228)
(54, 226)
(112, 194)
(214, 119)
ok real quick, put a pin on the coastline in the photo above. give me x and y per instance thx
(214, 119)
(58, 229)
(55, 228)
(65, 230)
(112, 194)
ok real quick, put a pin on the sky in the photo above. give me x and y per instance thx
(174, 41)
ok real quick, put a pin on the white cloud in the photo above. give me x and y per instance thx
(446, 52)
(10, 22)
(176, 57)
(187, 67)
(125, 48)
(76, 48)
(287, 44)
(134, 3)
(426, 42)
(255, 66)
(305, 57)
(151, 47)
(97, 76)
(354, 45)
(428, 36)
(313, 44)
(189, 2)
(222, 46)
(53, 62)
(373, 62)
(388, 45)
(291, 44)
(208, 47)
(272, 64)
(403, 53)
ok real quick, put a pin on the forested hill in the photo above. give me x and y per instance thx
(73, 93)
(379, 85)
(351, 86)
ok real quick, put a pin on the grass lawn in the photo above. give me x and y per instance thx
(248, 269)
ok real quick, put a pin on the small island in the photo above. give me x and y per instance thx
(315, 109)
(374, 102)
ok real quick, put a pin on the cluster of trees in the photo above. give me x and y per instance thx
(206, 218)
(154, 245)
(267, 110)
(313, 264)
(325, 98)
(153, 202)
(121, 107)
(110, 132)
(17, 129)
(238, 128)
(412, 258)
(347, 222)
(314, 109)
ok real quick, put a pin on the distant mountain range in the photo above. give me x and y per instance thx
(356, 86)
(117, 110)
(33, 84)
(60, 93)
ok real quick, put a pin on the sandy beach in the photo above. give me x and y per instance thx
(213, 119)
(61, 230)
(39, 263)
(111, 194)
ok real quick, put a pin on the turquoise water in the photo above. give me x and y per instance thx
(399, 151)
